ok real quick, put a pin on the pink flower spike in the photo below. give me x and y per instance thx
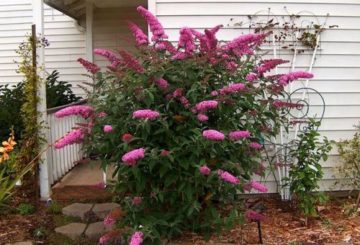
(206, 105)
(214, 93)
(255, 145)
(75, 136)
(136, 201)
(155, 26)
(131, 62)
(227, 177)
(213, 135)
(251, 215)
(240, 134)
(255, 185)
(110, 56)
(292, 76)
(90, 67)
(251, 77)
(146, 114)
(136, 238)
(202, 117)
(108, 129)
(267, 65)
(140, 37)
(205, 170)
(84, 111)
(133, 156)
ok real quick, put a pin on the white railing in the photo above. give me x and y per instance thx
(60, 161)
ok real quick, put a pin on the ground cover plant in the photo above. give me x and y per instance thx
(184, 127)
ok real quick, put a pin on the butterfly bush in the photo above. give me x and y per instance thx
(184, 126)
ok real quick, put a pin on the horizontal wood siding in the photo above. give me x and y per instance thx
(337, 73)
(67, 42)
(111, 30)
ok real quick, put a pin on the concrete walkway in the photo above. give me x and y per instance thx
(84, 174)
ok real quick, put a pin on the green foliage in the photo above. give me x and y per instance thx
(26, 209)
(54, 208)
(58, 93)
(306, 171)
(349, 151)
(11, 99)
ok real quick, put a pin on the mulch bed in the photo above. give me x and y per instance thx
(282, 226)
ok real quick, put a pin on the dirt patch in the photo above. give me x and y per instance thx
(81, 194)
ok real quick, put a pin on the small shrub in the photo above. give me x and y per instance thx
(26, 209)
(54, 208)
(349, 151)
(306, 171)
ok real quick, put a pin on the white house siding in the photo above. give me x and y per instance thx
(111, 29)
(67, 42)
(337, 68)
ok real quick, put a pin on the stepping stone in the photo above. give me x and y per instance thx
(72, 230)
(77, 210)
(95, 230)
(103, 209)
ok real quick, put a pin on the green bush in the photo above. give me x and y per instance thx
(184, 128)
(26, 209)
(12, 97)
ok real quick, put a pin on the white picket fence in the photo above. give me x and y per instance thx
(60, 161)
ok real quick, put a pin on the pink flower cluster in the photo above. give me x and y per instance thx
(75, 136)
(136, 201)
(155, 26)
(251, 215)
(146, 114)
(232, 88)
(136, 238)
(251, 77)
(213, 135)
(255, 185)
(133, 156)
(130, 62)
(255, 145)
(109, 220)
(227, 177)
(205, 170)
(267, 65)
(107, 128)
(292, 76)
(239, 134)
(162, 83)
(206, 105)
(84, 111)
(140, 37)
(184, 101)
(186, 40)
(208, 41)
(90, 67)
(202, 117)
(110, 56)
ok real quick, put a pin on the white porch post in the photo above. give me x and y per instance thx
(38, 20)
(89, 30)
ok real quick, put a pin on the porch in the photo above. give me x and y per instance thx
(105, 25)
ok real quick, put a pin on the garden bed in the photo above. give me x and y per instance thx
(281, 226)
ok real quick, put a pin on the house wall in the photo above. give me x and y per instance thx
(337, 73)
(111, 30)
(67, 42)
